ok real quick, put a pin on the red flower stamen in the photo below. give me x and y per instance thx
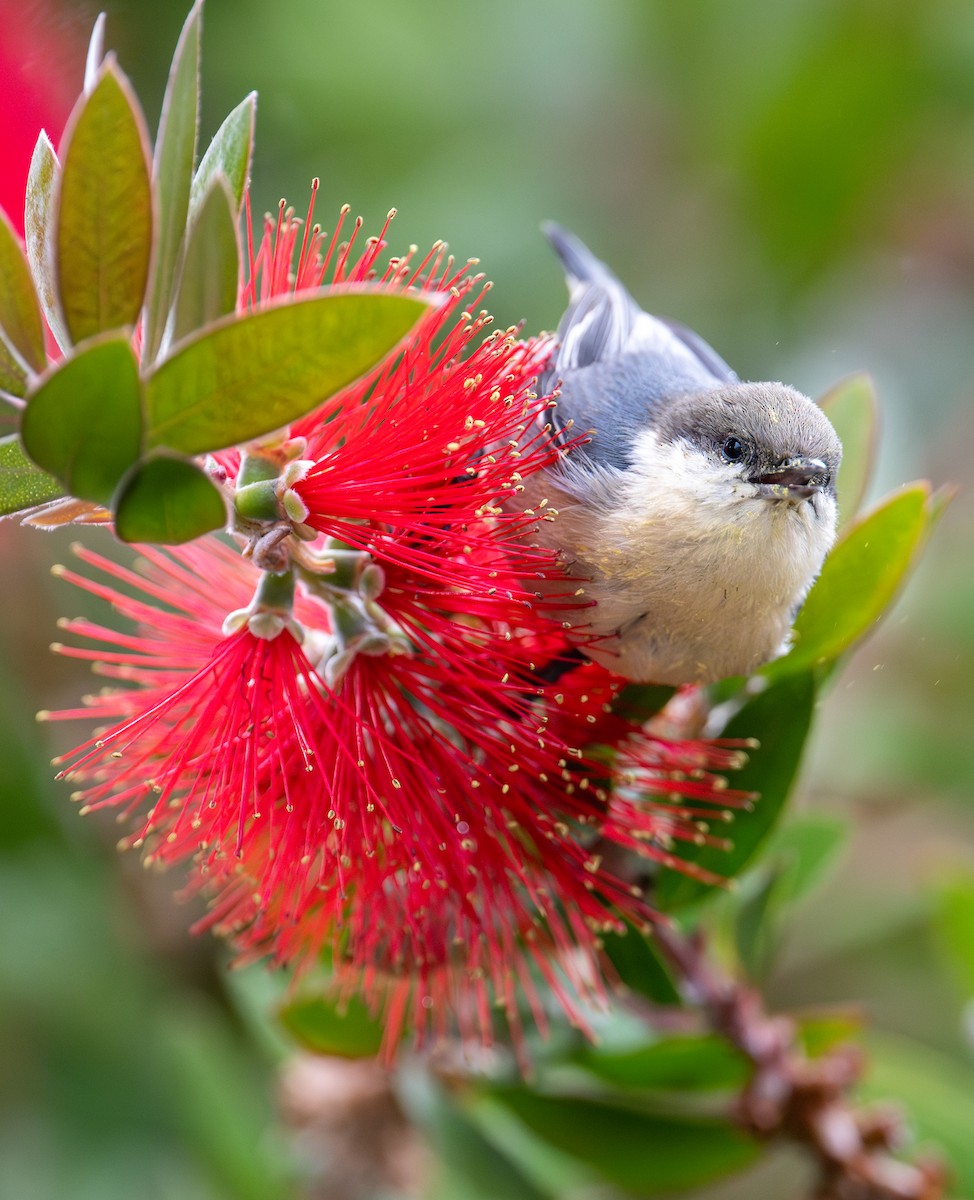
(382, 773)
(422, 819)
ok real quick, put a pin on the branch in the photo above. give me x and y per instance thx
(802, 1099)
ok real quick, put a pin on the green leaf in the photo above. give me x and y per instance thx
(83, 423)
(96, 53)
(804, 850)
(698, 1063)
(167, 500)
(821, 1032)
(228, 154)
(779, 718)
(211, 268)
(325, 1026)
(798, 856)
(476, 1168)
(249, 375)
(635, 960)
(954, 925)
(13, 377)
(554, 1172)
(757, 926)
(172, 169)
(40, 210)
(937, 1092)
(859, 580)
(477, 1164)
(22, 485)
(20, 312)
(644, 1152)
(852, 408)
(9, 414)
(219, 1099)
(104, 232)
(640, 701)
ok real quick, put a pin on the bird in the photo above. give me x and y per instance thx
(697, 510)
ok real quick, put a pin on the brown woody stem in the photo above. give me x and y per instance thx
(795, 1097)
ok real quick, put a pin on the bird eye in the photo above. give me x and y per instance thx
(733, 449)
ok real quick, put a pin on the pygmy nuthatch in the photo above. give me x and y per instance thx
(699, 511)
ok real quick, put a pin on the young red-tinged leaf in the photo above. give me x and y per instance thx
(858, 582)
(852, 408)
(167, 500)
(172, 168)
(20, 311)
(249, 375)
(83, 423)
(104, 230)
(58, 513)
(210, 279)
(325, 1026)
(22, 484)
(229, 154)
(641, 1150)
(39, 223)
(13, 377)
(779, 719)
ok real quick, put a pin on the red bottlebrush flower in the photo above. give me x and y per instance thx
(664, 788)
(414, 816)
(38, 58)
(279, 267)
(418, 462)
(363, 758)
(444, 869)
(419, 465)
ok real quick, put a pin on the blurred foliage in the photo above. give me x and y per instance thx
(125, 1070)
(796, 181)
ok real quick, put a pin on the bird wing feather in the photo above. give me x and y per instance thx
(614, 361)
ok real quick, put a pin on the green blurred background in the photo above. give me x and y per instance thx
(792, 178)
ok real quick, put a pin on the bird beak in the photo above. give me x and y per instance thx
(794, 479)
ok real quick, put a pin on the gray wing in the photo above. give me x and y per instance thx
(615, 362)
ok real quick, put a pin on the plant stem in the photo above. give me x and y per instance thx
(792, 1096)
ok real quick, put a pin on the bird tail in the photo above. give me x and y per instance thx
(581, 265)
